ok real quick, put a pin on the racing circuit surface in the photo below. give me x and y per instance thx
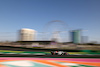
(17, 57)
(50, 56)
(24, 52)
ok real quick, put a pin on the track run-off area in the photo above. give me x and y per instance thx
(49, 62)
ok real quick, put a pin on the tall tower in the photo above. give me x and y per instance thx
(26, 34)
(75, 36)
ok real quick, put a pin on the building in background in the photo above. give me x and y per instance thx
(27, 34)
(75, 36)
(84, 39)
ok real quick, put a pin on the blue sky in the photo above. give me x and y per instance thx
(34, 14)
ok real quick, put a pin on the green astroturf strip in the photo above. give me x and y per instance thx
(11, 51)
(33, 52)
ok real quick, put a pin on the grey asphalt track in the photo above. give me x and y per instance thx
(50, 56)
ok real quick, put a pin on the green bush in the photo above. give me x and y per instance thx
(37, 47)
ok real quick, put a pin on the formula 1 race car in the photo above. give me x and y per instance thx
(59, 53)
